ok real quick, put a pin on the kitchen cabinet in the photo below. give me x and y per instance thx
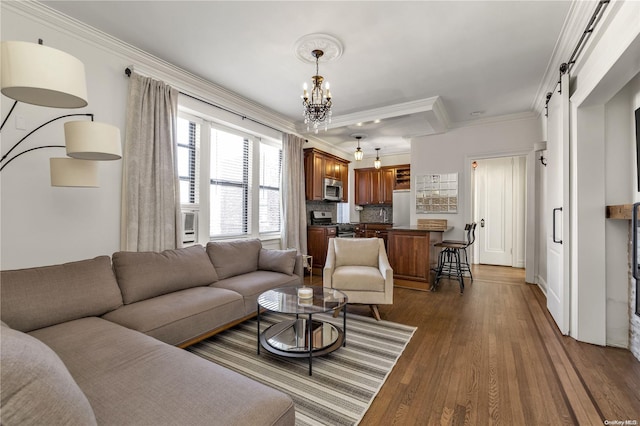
(402, 177)
(373, 230)
(319, 165)
(413, 255)
(318, 242)
(374, 186)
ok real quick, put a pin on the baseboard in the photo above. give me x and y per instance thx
(542, 284)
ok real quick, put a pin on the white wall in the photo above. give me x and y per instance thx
(619, 171)
(608, 64)
(453, 151)
(634, 324)
(41, 224)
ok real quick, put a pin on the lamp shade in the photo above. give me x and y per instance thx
(90, 140)
(40, 75)
(73, 172)
(359, 154)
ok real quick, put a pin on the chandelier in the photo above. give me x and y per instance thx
(317, 107)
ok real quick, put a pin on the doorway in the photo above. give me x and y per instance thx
(498, 205)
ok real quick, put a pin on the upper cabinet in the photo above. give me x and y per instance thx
(402, 178)
(376, 186)
(319, 165)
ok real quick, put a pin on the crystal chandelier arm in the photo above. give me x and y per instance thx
(4, 157)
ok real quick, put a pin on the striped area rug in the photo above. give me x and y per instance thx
(344, 383)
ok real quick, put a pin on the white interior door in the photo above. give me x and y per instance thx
(495, 211)
(557, 215)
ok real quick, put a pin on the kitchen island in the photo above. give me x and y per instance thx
(413, 255)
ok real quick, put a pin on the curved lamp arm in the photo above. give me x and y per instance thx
(4, 157)
(29, 150)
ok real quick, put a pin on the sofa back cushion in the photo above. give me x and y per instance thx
(282, 261)
(357, 251)
(39, 297)
(37, 388)
(143, 275)
(233, 258)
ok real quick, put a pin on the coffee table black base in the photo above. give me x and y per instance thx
(302, 352)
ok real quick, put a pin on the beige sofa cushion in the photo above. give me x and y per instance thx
(277, 260)
(39, 297)
(37, 388)
(143, 275)
(358, 278)
(357, 251)
(232, 258)
(133, 379)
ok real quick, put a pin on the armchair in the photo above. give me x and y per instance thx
(359, 267)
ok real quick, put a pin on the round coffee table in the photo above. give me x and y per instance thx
(302, 337)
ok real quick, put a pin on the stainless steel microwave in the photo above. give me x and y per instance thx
(332, 190)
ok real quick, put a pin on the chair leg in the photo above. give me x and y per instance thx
(375, 312)
(459, 270)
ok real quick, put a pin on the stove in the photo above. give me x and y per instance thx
(322, 218)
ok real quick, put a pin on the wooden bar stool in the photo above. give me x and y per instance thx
(453, 258)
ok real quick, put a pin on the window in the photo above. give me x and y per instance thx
(270, 166)
(239, 186)
(188, 141)
(230, 202)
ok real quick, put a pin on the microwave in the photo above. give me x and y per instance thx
(332, 190)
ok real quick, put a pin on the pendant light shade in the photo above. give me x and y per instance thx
(377, 163)
(40, 75)
(73, 172)
(359, 154)
(91, 140)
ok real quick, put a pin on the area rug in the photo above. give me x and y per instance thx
(344, 383)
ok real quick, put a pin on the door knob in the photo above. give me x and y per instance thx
(481, 223)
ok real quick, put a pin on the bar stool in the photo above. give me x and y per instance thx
(453, 258)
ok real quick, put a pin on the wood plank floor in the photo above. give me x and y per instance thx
(494, 356)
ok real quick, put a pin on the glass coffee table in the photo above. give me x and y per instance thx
(302, 336)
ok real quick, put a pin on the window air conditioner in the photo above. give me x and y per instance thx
(189, 226)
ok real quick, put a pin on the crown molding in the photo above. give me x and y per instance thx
(438, 117)
(575, 23)
(150, 65)
(528, 115)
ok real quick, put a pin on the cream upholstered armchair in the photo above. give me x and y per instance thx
(359, 267)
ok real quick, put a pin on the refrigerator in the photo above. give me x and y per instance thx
(401, 202)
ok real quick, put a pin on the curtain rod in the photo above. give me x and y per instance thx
(565, 67)
(128, 72)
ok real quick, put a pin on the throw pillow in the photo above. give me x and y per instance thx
(282, 261)
(37, 388)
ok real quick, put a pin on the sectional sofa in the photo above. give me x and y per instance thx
(94, 341)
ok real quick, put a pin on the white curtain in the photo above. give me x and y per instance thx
(150, 188)
(294, 214)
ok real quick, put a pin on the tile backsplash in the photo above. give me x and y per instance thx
(376, 214)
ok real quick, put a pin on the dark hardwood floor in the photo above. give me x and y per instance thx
(494, 356)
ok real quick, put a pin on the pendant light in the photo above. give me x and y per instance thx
(377, 164)
(359, 154)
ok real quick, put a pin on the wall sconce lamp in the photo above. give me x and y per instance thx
(377, 164)
(541, 147)
(474, 165)
(543, 160)
(40, 75)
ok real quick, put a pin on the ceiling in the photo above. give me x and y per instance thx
(418, 67)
